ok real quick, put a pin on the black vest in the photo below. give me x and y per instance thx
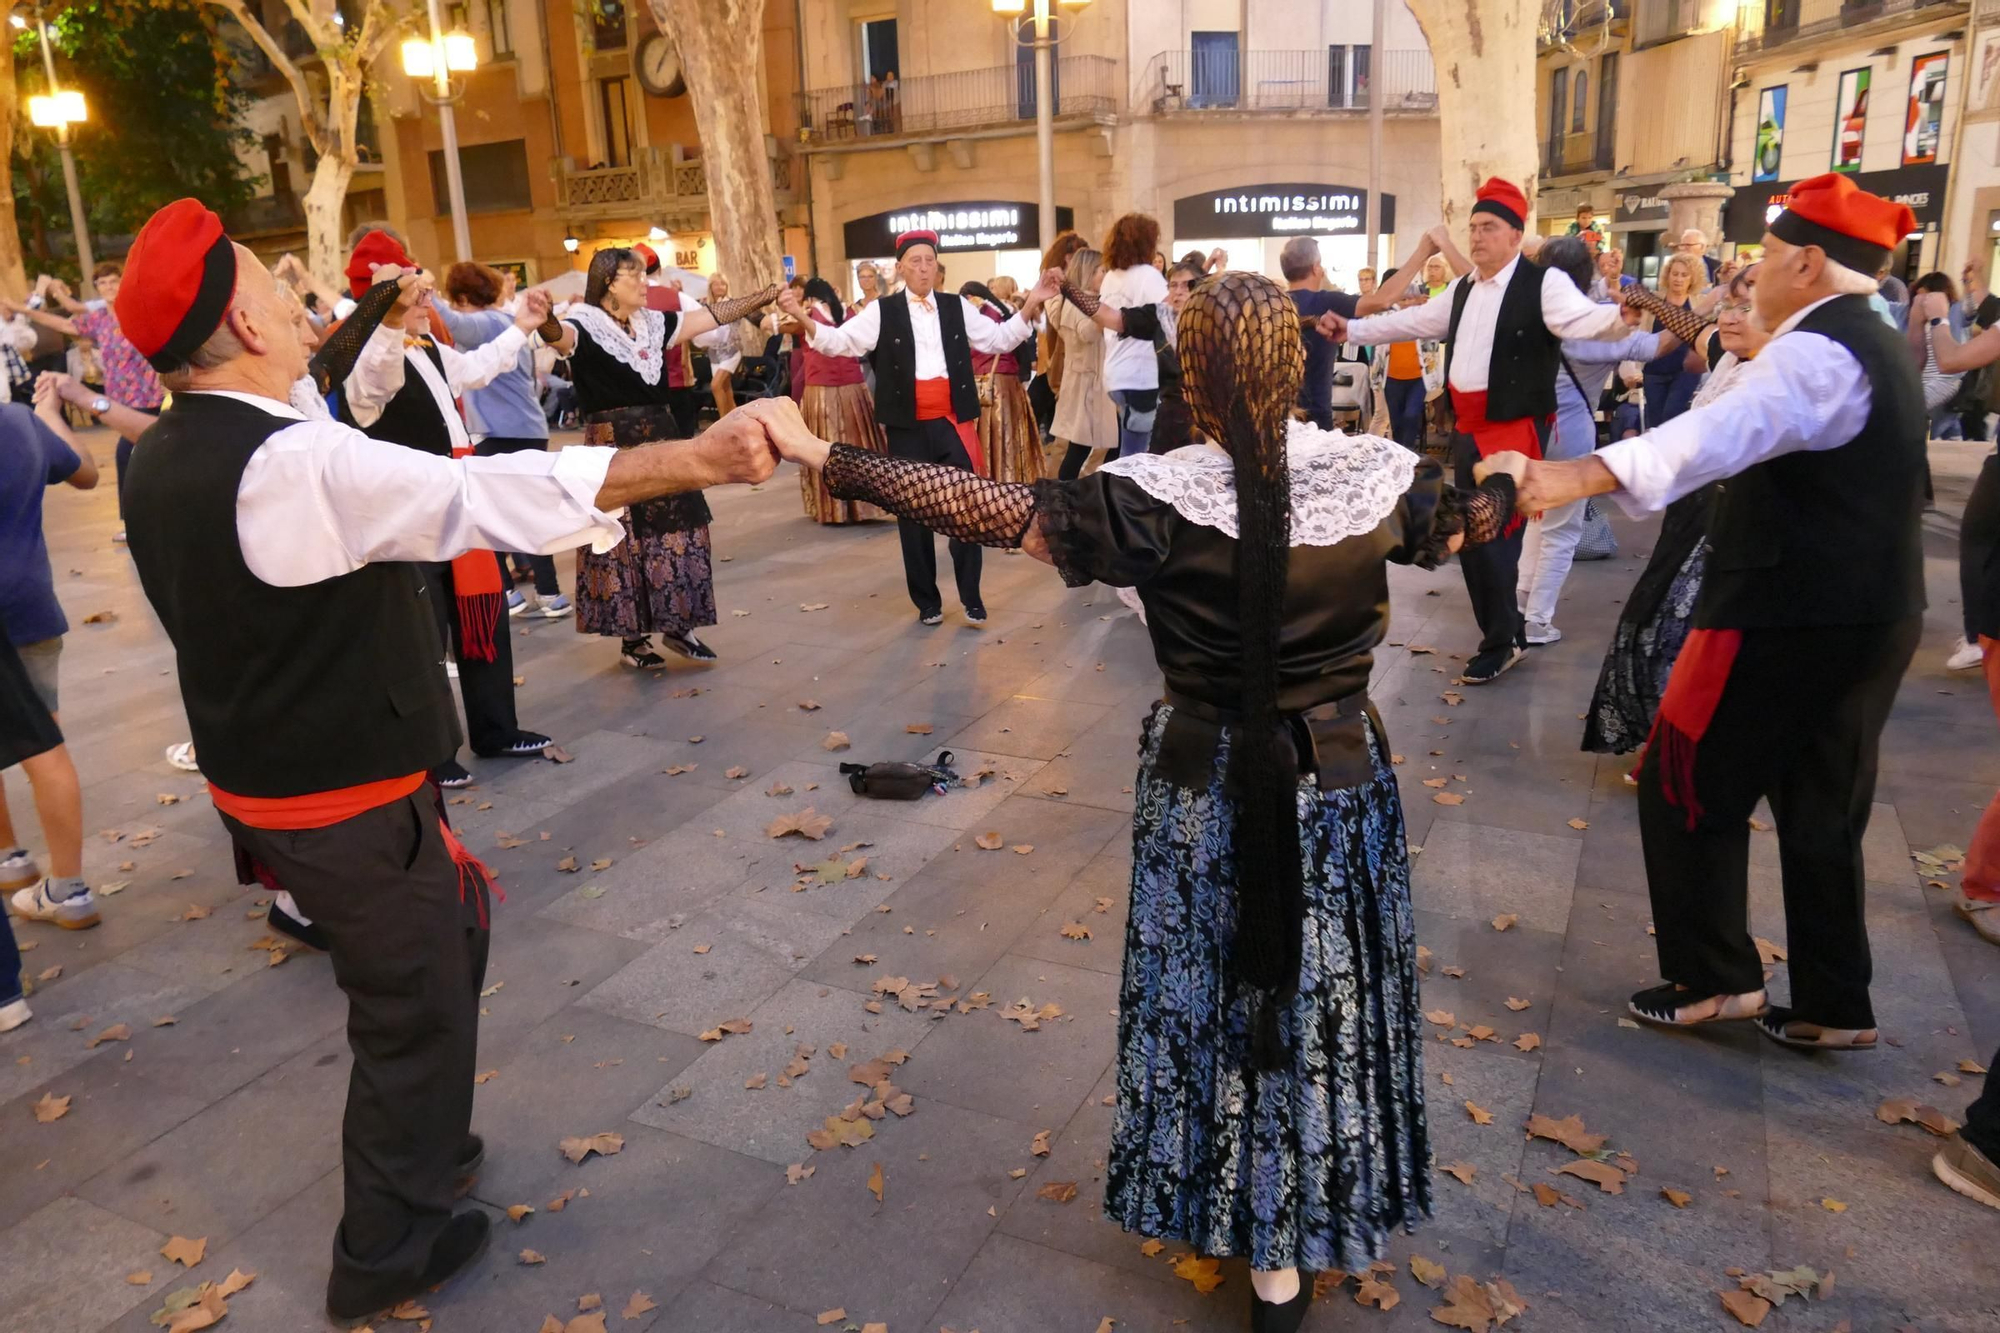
(411, 418)
(1831, 537)
(895, 361)
(1521, 381)
(288, 690)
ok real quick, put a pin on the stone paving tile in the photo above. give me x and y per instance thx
(212, 952)
(751, 948)
(771, 1123)
(648, 893)
(65, 1268)
(1101, 766)
(1101, 880)
(825, 1243)
(1030, 728)
(221, 1171)
(1016, 1286)
(993, 1064)
(540, 967)
(57, 1041)
(1480, 871)
(713, 1309)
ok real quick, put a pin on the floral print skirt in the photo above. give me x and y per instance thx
(659, 580)
(1313, 1166)
(1008, 435)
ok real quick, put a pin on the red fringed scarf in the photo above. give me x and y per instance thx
(1492, 437)
(934, 402)
(1693, 691)
(482, 595)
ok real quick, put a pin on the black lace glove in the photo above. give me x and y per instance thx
(949, 500)
(1087, 302)
(334, 361)
(1683, 324)
(1482, 514)
(727, 312)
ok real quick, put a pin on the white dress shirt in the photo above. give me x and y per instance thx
(320, 499)
(858, 336)
(1804, 392)
(379, 370)
(1566, 312)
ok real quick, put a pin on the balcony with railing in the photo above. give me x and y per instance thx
(653, 185)
(941, 104)
(1581, 21)
(1286, 81)
(1770, 23)
(1578, 153)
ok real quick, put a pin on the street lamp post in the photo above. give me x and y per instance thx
(1043, 43)
(58, 109)
(436, 60)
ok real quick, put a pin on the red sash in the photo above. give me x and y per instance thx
(934, 404)
(1693, 691)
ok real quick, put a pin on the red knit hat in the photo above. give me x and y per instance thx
(1854, 227)
(179, 277)
(376, 249)
(915, 238)
(647, 256)
(1504, 200)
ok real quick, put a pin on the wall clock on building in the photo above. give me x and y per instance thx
(660, 67)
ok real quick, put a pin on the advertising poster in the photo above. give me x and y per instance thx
(1926, 114)
(1985, 94)
(1770, 145)
(1850, 120)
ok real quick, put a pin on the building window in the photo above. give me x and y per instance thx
(608, 25)
(1214, 75)
(879, 57)
(281, 170)
(1558, 111)
(1579, 101)
(1781, 13)
(496, 178)
(1024, 78)
(497, 29)
(615, 101)
(1607, 111)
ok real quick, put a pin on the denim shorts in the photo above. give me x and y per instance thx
(41, 660)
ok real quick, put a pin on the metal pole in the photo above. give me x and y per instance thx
(1045, 121)
(454, 179)
(1375, 100)
(85, 261)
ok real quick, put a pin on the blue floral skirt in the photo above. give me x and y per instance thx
(1309, 1167)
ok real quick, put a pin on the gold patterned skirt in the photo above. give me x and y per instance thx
(1008, 435)
(839, 414)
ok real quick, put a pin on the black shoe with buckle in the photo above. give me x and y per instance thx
(687, 645)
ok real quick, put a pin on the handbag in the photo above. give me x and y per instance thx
(986, 385)
(897, 781)
(1596, 541)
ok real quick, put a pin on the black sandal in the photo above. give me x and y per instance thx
(687, 645)
(639, 653)
(1662, 1006)
(1782, 1025)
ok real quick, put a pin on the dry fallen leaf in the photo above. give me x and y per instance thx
(1057, 1191)
(187, 1253)
(1602, 1174)
(1426, 1271)
(1579, 823)
(989, 841)
(1971, 1067)
(1040, 1147)
(1908, 1108)
(835, 740)
(638, 1305)
(807, 823)
(1748, 1308)
(833, 1316)
(1569, 1132)
(486, 1077)
(1768, 952)
(1443, 798)
(1378, 1294)
(1205, 1274)
(1546, 1194)
(1833, 1205)
(576, 1149)
(1504, 921)
(1444, 1018)
(875, 1184)
(1518, 1005)
(516, 1212)
(51, 1108)
(1678, 1198)
(1467, 1306)
(1075, 930)
(1464, 1171)
(1480, 1116)
(533, 1257)
(116, 1032)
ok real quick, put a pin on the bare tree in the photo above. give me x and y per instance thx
(722, 51)
(329, 104)
(1485, 56)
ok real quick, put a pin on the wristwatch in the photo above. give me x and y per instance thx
(1935, 321)
(99, 406)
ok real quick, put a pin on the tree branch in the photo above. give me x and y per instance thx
(310, 113)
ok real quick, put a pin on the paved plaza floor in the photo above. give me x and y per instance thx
(646, 906)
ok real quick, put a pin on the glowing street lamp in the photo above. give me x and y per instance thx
(436, 59)
(58, 109)
(1034, 30)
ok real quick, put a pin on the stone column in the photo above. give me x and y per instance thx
(1696, 204)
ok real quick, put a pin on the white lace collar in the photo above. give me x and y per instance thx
(642, 351)
(1342, 485)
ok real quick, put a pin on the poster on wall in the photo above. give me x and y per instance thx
(1985, 92)
(1770, 134)
(1850, 119)
(1925, 120)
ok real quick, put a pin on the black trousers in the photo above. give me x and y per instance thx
(410, 955)
(486, 688)
(542, 568)
(685, 404)
(1800, 721)
(934, 441)
(1491, 569)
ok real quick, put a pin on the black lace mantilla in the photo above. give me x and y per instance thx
(944, 499)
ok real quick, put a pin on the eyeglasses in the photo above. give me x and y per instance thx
(1738, 308)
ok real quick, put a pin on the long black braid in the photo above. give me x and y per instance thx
(1242, 361)
(819, 289)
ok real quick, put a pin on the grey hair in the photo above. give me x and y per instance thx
(222, 347)
(1083, 266)
(354, 237)
(1296, 260)
(1850, 282)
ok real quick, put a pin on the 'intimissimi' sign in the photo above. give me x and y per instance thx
(1277, 210)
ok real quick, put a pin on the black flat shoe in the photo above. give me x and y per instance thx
(286, 924)
(687, 645)
(639, 653)
(976, 614)
(1287, 1318)
(931, 617)
(525, 745)
(462, 1240)
(451, 774)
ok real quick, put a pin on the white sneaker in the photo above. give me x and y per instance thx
(1964, 657)
(1539, 634)
(76, 912)
(181, 756)
(18, 871)
(13, 1014)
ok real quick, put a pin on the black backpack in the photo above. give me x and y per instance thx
(897, 781)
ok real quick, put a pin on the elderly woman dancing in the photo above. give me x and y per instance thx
(1270, 1095)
